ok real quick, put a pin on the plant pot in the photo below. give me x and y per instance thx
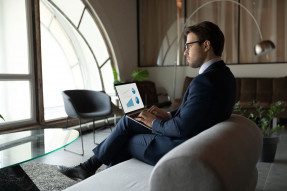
(269, 149)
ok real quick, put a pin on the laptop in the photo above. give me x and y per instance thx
(130, 100)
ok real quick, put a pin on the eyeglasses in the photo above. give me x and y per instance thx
(187, 45)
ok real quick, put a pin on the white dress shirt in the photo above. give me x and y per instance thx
(205, 65)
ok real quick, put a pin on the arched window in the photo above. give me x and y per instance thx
(75, 54)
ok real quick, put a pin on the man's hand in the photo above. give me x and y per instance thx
(151, 114)
(159, 113)
(146, 117)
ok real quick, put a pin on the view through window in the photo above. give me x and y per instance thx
(16, 75)
(75, 55)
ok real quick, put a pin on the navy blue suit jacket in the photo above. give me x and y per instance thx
(208, 100)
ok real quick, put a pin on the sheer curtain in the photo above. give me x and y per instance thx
(225, 15)
(271, 17)
(155, 19)
(158, 29)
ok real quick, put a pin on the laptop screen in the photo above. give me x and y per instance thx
(129, 97)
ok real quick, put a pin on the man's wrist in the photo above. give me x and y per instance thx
(152, 122)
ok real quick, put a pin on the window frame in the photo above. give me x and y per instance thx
(31, 76)
(35, 71)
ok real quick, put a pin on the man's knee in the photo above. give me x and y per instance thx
(124, 120)
(131, 126)
(123, 123)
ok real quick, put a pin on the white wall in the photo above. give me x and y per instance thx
(119, 19)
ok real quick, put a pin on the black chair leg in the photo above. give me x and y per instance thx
(67, 122)
(94, 132)
(94, 128)
(110, 125)
(81, 136)
(115, 119)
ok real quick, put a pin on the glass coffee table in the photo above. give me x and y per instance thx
(20, 147)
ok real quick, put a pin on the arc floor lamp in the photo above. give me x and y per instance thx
(262, 47)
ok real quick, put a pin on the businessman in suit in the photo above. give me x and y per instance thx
(208, 100)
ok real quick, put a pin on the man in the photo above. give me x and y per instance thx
(208, 100)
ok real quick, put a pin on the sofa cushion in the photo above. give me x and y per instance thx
(264, 90)
(132, 175)
(279, 89)
(248, 89)
(238, 86)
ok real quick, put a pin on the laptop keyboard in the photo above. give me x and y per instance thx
(134, 115)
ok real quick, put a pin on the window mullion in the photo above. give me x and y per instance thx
(12, 77)
(36, 60)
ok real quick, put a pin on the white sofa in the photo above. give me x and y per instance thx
(221, 158)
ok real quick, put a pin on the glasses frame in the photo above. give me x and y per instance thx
(187, 45)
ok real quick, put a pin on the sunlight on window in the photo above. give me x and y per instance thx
(13, 37)
(108, 82)
(56, 30)
(15, 100)
(15, 85)
(72, 48)
(46, 16)
(72, 8)
(71, 56)
(94, 37)
(57, 75)
(88, 64)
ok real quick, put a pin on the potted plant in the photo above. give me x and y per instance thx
(267, 120)
(140, 75)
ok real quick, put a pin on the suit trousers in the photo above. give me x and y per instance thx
(128, 140)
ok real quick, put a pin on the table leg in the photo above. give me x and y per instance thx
(14, 178)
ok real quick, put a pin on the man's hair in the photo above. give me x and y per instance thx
(208, 31)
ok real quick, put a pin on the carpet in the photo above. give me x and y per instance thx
(46, 177)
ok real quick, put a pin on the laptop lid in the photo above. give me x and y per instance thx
(129, 97)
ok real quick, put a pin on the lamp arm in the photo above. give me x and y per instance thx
(191, 15)
(232, 1)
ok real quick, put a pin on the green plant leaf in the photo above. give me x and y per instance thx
(2, 117)
(116, 76)
(140, 75)
(263, 117)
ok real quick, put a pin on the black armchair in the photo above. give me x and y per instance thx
(86, 104)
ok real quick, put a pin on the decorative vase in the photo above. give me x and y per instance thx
(269, 149)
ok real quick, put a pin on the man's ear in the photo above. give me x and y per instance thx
(206, 45)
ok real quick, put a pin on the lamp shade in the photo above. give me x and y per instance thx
(263, 47)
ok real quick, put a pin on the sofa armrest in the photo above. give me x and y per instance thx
(224, 157)
(184, 174)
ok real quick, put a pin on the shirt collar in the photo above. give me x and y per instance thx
(205, 65)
